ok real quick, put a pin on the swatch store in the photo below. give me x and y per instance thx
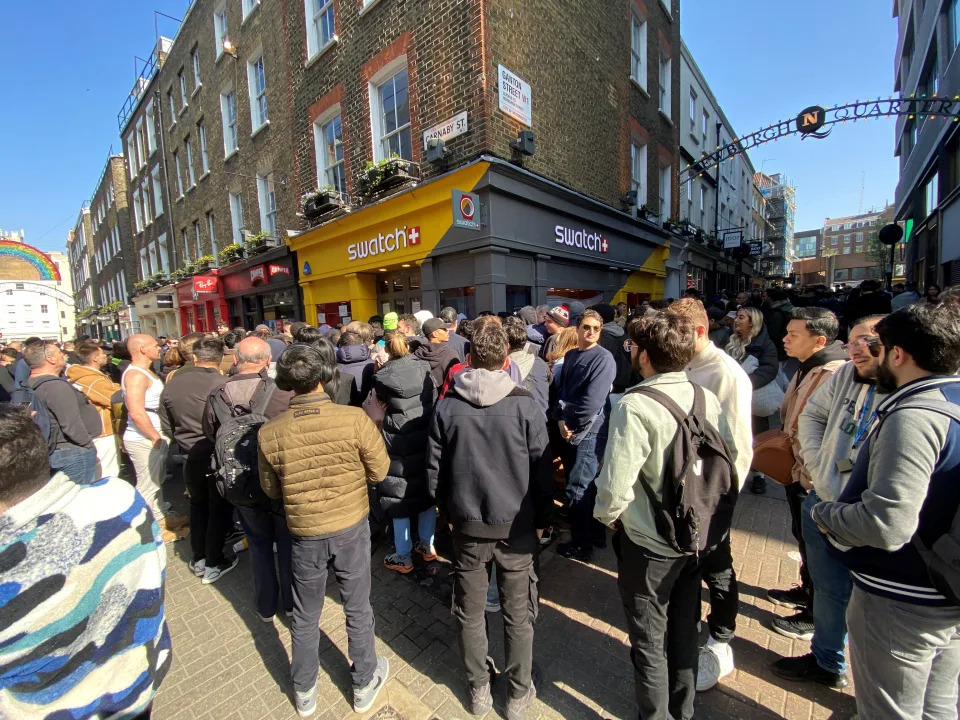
(487, 236)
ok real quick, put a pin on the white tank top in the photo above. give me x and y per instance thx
(151, 401)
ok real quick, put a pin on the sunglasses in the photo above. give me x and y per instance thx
(871, 344)
(591, 328)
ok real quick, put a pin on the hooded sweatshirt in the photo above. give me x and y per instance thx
(508, 500)
(839, 410)
(355, 361)
(441, 356)
(611, 338)
(534, 377)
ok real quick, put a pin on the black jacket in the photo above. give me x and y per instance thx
(763, 349)
(183, 403)
(441, 357)
(611, 338)
(405, 387)
(775, 320)
(504, 499)
(354, 362)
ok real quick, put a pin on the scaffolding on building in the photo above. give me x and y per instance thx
(781, 207)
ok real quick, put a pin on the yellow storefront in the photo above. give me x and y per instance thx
(514, 239)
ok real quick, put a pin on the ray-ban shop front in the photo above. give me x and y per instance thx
(488, 236)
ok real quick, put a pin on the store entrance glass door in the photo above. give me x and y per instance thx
(399, 291)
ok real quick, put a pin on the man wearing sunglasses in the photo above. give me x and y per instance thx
(588, 374)
(831, 430)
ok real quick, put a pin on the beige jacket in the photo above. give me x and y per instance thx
(318, 458)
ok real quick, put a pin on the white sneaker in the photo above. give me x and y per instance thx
(715, 662)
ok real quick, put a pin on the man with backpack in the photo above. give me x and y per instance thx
(251, 395)
(88, 377)
(896, 527)
(713, 369)
(318, 458)
(66, 417)
(663, 432)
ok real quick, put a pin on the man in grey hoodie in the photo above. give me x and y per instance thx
(534, 373)
(497, 511)
(832, 428)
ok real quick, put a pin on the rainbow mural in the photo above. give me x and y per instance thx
(41, 261)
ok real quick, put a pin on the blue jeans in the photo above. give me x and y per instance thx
(264, 527)
(582, 464)
(426, 528)
(77, 463)
(831, 593)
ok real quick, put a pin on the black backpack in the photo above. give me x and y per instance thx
(25, 396)
(236, 446)
(700, 483)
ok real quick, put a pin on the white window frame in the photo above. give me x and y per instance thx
(157, 190)
(236, 217)
(387, 74)
(704, 124)
(693, 111)
(191, 176)
(144, 264)
(151, 129)
(177, 171)
(228, 107)
(221, 27)
(204, 154)
(137, 134)
(145, 194)
(182, 82)
(666, 177)
(137, 211)
(211, 231)
(131, 156)
(173, 107)
(259, 108)
(249, 6)
(665, 100)
(161, 253)
(326, 172)
(638, 171)
(267, 198)
(315, 26)
(638, 49)
(195, 63)
(198, 238)
(185, 241)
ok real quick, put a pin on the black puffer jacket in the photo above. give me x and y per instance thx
(404, 385)
(763, 349)
(611, 338)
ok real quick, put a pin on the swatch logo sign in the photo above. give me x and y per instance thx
(381, 244)
(584, 239)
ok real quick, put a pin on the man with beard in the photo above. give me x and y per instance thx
(901, 500)
(831, 430)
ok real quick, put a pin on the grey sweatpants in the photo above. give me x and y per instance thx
(905, 658)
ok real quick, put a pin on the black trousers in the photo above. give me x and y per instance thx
(795, 497)
(716, 567)
(210, 515)
(661, 600)
(517, 582)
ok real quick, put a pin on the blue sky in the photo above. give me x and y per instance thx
(66, 75)
(767, 60)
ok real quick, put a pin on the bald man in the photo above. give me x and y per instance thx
(143, 439)
(261, 524)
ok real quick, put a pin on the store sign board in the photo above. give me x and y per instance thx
(257, 274)
(164, 301)
(732, 239)
(279, 270)
(589, 241)
(399, 239)
(756, 247)
(204, 284)
(515, 96)
(448, 129)
(466, 210)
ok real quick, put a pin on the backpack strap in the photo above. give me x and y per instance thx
(266, 394)
(951, 410)
(665, 400)
(222, 406)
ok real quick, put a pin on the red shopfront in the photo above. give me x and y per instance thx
(202, 304)
(263, 290)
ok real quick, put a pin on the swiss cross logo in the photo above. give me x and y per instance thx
(413, 236)
(604, 245)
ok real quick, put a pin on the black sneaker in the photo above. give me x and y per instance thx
(806, 669)
(795, 598)
(798, 627)
(575, 552)
(758, 485)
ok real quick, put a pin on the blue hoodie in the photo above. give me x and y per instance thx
(585, 388)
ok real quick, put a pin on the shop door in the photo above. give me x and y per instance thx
(399, 291)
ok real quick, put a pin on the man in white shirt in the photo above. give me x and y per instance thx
(713, 369)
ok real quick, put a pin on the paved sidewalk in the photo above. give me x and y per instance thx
(229, 664)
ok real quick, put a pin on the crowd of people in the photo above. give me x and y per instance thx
(638, 426)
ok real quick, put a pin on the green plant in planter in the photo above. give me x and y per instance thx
(314, 195)
(112, 307)
(258, 242)
(205, 260)
(141, 286)
(375, 173)
(230, 253)
(87, 313)
(158, 279)
(180, 274)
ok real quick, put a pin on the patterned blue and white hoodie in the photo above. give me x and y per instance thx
(82, 629)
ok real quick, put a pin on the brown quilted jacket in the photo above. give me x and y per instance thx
(318, 458)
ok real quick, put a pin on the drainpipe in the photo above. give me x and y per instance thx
(166, 184)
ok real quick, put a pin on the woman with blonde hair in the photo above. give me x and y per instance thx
(406, 389)
(751, 346)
